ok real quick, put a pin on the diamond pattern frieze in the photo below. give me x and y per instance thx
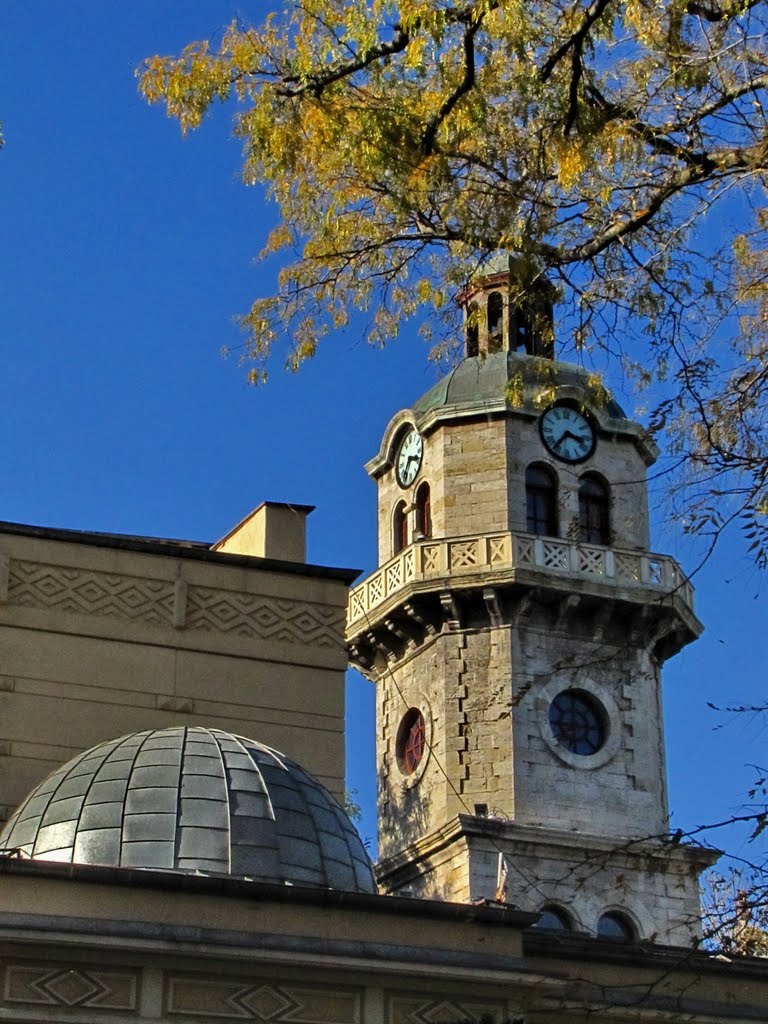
(87, 592)
(305, 622)
(263, 618)
(48, 585)
(225, 614)
(91, 592)
(404, 1010)
(69, 987)
(267, 618)
(214, 999)
(265, 1003)
(72, 988)
(34, 585)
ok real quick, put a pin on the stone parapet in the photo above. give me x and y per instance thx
(422, 589)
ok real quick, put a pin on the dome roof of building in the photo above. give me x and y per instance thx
(482, 380)
(192, 800)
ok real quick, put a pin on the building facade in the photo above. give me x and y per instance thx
(102, 635)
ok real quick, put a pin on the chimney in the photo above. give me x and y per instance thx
(273, 530)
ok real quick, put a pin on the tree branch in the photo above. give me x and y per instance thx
(461, 89)
(577, 39)
(471, 14)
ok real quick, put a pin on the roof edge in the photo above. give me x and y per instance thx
(239, 888)
(193, 549)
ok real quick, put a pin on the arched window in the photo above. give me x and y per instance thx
(473, 342)
(594, 510)
(554, 919)
(495, 322)
(616, 927)
(521, 331)
(423, 512)
(541, 500)
(531, 328)
(399, 528)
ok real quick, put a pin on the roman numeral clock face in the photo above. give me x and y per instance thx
(567, 433)
(408, 461)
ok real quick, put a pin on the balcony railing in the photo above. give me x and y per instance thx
(495, 553)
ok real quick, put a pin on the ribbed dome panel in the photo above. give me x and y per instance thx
(192, 799)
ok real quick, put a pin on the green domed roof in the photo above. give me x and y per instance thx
(480, 382)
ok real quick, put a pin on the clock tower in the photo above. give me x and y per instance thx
(515, 630)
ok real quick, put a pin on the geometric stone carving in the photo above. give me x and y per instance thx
(441, 1011)
(157, 603)
(94, 593)
(264, 1002)
(69, 986)
(264, 618)
(238, 999)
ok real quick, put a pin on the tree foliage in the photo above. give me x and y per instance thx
(736, 913)
(617, 149)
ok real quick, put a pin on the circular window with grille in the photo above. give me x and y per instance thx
(578, 722)
(411, 744)
(581, 723)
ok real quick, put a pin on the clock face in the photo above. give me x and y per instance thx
(409, 457)
(567, 433)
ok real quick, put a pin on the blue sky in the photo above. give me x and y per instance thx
(126, 253)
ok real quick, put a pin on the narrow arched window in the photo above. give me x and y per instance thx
(541, 500)
(616, 927)
(423, 512)
(554, 919)
(495, 322)
(399, 528)
(531, 324)
(473, 335)
(594, 510)
(521, 331)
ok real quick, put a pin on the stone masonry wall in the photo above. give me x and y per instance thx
(621, 790)
(659, 894)
(485, 695)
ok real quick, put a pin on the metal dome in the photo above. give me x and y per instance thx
(192, 800)
(481, 380)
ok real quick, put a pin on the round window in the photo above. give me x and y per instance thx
(578, 722)
(411, 741)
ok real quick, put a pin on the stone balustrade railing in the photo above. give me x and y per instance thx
(493, 553)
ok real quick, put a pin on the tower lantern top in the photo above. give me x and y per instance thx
(501, 313)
